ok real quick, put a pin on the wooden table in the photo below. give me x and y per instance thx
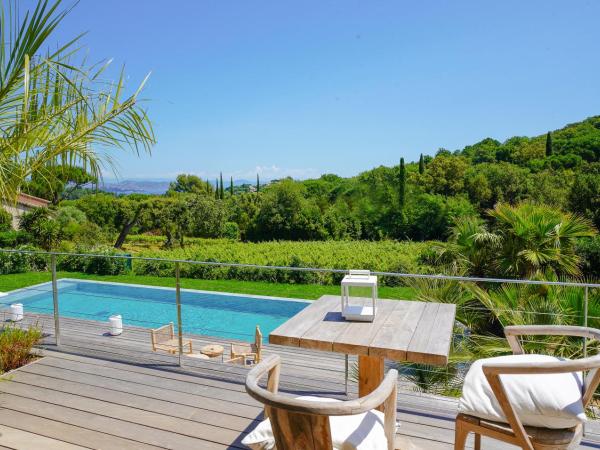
(213, 350)
(403, 330)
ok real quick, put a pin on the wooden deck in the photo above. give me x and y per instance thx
(114, 392)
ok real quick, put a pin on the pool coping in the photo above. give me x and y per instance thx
(165, 288)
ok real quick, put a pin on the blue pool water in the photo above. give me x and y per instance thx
(213, 314)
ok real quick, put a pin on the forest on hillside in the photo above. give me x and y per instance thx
(416, 201)
(413, 201)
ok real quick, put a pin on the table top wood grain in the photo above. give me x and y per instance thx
(411, 331)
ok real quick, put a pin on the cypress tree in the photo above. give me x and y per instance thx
(221, 190)
(402, 185)
(217, 188)
(549, 144)
(231, 186)
(257, 183)
(421, 164)
(208, 189)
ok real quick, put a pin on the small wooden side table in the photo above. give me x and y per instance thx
(213, 350)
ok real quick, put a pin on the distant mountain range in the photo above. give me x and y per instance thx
(154, 187)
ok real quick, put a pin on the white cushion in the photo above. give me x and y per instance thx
(357, 432)
(539, 400)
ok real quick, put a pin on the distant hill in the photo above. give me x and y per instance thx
(135, 187)
(152, 187)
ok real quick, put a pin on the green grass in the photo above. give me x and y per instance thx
(304, 291)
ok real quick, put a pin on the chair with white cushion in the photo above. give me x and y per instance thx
(528, 400)
(313, 423)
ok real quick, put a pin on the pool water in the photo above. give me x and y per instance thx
(214, 314)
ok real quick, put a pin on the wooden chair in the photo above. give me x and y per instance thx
(164, 339)
(304, 424)
(513, 432)
(248, 350)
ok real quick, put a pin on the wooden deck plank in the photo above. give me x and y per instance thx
(93, 385)
(73, 434)
(143, 380)
(140, 405)
(109, 425)
(155, 420)
(19, 439)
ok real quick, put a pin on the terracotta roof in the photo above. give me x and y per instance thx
(30, 200)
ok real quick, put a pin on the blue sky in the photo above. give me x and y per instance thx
(310, 87)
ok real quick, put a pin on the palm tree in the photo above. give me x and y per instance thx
(470, 246)
(519, 304)
(538, 238)
(54, 112)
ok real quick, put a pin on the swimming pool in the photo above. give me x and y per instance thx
(209, 313)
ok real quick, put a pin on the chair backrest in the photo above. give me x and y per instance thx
(162, 334)
(493, 371)
(258, 342)
(304, 424)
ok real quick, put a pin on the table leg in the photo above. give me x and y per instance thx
(370, 374)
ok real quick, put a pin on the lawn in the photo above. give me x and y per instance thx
(304, 291)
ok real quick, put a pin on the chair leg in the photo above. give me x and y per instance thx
(477, 442)
(460, 435)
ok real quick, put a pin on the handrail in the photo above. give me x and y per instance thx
(315, 269)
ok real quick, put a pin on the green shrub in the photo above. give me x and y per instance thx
(21, 262)
(16, 345)
(98, 265)
(5, 220)
(231, 230)
(13, 238)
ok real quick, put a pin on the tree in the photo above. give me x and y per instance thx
(257, 183)
(40, 224)
(549, 144)
(175, 218)
(5, 220)
(538, 239)
(285, 213)
(58, 182)
(231, 186)
(446, 174)
(584, 195)
(217, 190)
(188, 184)
(221, 188)
(421, 165)
(55, 111)
(402, 186)
(131, 212)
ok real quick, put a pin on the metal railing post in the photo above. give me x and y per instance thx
(55, 299)
(585, 318)
(178, 301)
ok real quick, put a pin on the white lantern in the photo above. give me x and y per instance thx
(16, 312)
(116, 325)
(359, 312)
